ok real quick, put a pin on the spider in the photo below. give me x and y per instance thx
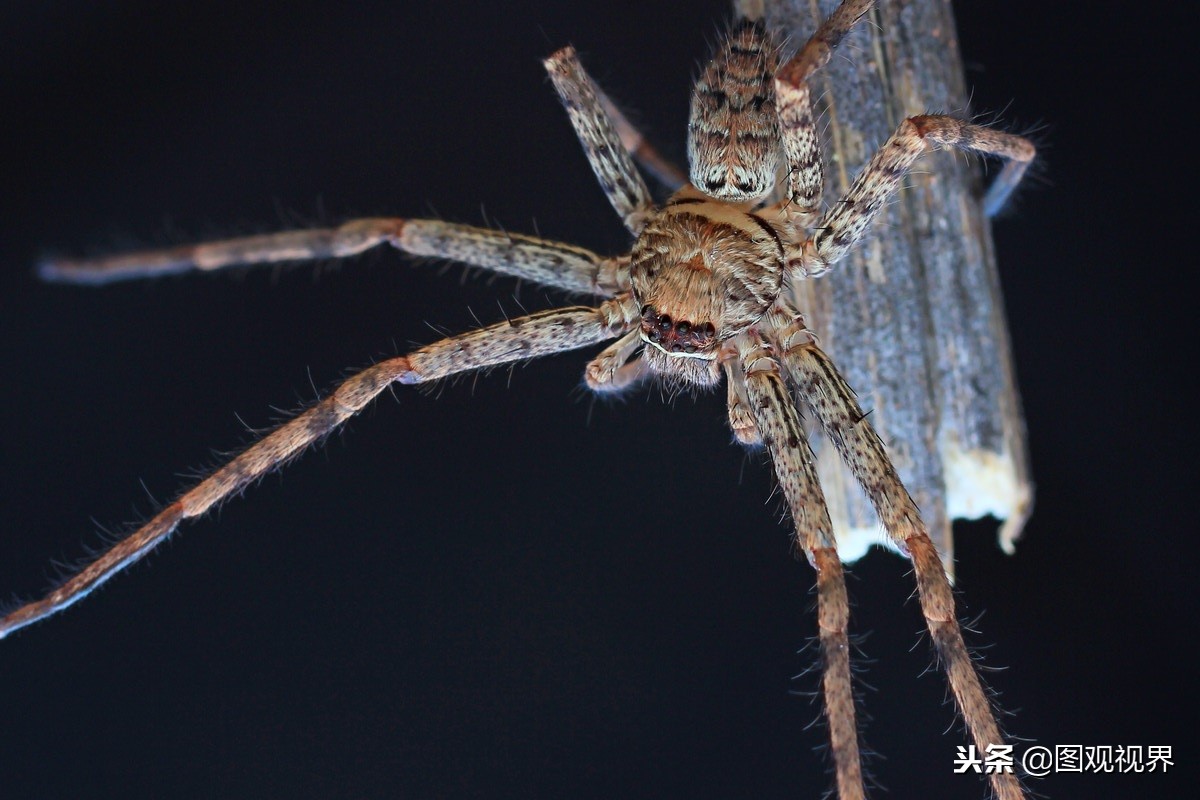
(704, 297)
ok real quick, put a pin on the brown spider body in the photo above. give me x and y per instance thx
(702, 263)
(708, 259)
(703, 296)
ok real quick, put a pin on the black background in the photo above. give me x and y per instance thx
(505, 589)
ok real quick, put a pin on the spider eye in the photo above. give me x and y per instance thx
(676, 337)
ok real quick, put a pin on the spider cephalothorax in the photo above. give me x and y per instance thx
(712, 267)
(701, 297)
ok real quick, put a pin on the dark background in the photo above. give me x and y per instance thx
(505, 589)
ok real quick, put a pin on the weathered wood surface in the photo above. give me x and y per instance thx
(915, 318)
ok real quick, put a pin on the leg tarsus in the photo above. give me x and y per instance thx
(819, 48)
(937, 605)
(833, 619)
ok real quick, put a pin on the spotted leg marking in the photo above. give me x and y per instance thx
(834, 403)
(778, 423)
(526, 257)
(515, 340)
(845, 224)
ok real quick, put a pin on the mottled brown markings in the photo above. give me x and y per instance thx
(538, 334)
(709, 227)
(779, 426)
(725, 136)
(526, 257)
(833, 620)
(718, 97)
(611, 163)
(324, 416)
(741, 117)
(791, 422)
(769, 230)
(846, 223)
(844, 422)
(738, 50)
(733, 132)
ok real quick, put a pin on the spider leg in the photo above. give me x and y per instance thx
(797, 127)
(654, 162)
(834, 403)
(518, 339)
(846, 223)
(820, 46)
(612, 371)
(551, 263)
(741, 418)
(605, 150)
(778, 422)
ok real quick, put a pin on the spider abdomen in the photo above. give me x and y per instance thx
(733, 132)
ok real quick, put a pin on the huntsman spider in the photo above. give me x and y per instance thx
(703, 297)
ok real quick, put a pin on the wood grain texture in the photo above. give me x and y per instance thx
(915, 317)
